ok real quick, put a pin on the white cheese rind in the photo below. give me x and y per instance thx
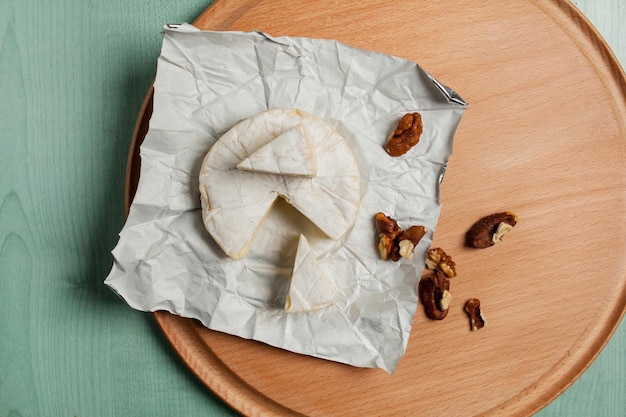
(290, 153)
(309, 289)
(235, 202)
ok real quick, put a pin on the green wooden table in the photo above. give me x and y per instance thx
(73, 75)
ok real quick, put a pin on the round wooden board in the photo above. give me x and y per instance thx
(543, 136)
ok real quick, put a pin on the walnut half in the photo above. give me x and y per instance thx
(489, 230)
(434, 294)
(408, 239)
(406, 135)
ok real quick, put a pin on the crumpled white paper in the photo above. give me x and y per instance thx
(208, 81)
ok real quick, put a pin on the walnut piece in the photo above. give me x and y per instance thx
(446, 298)
(406, 135)
(406, 249)
(393, 242)
(439, 260)
(489, 230)
(387, 226)
(384, 246)
(434, 294)
(408, 239)
(472, 308)
(503, 229)
(388, 230)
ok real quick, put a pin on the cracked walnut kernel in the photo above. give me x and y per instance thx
(388, 230)
(406, 135)
(408, 239)
(393, 242)
(434, 294)
(439, 260)
(489, 230)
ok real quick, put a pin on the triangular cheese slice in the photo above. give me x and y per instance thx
(309, 289)
(290, 153)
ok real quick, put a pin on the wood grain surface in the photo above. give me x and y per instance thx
(544, 130)
(73, 76)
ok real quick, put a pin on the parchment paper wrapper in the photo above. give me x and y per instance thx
(206, 82)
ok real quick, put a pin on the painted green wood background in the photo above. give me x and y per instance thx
(73, 74)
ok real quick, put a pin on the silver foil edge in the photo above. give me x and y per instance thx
(450, 94)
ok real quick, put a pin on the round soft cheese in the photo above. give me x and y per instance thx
(236, 202)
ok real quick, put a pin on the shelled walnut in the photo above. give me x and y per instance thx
(489, 230)
(434, 294)
(408, 239)
(393, 242)
(439, 260)
(406, 135)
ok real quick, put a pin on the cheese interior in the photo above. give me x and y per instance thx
(309, 289)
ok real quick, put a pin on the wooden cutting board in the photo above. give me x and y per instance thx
(543, 136)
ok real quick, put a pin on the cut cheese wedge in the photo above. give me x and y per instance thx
(290, 153)
(309, 289)
(235, 202)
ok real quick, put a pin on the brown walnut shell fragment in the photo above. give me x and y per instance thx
(439, 260)
(489, 230)
(434, 294)
(472, 308)
(406, 135)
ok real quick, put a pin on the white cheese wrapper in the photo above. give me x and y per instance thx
(207, 82)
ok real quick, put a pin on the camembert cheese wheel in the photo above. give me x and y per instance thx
(236, 202)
